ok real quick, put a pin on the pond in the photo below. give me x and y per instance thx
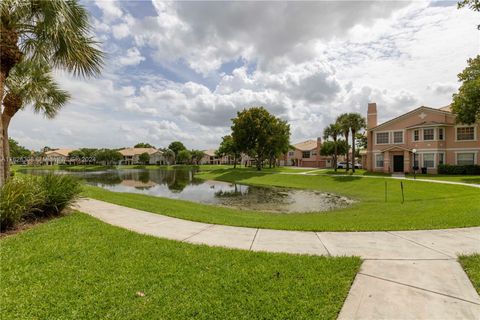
(183, 185)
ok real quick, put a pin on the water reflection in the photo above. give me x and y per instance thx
(182, 184)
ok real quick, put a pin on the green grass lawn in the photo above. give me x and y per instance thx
(471, 264)
(426, 206)
(77, 267)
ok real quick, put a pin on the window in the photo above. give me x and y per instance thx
(428, 134)
(465, 133)
(306, 154)
(441, 158)
(441, 133)
(379, 161)
(314, 153)
(429, 160)
(291, 153)
(465, 158)
(416, 135)
(382, 138)
(398, 137)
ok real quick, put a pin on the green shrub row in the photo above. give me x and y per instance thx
(453, 169)
(30, 197)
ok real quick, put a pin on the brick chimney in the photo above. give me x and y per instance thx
(372, 115)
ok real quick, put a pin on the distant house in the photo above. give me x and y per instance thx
(57, 157)
(132, 155)
(306, 154)
(432, 133)
(209, 157)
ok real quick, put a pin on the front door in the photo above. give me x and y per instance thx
(397, 163)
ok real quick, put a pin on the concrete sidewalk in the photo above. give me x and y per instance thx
(405, 274)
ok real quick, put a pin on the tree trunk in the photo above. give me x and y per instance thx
(353, 151)
(2, 151)
(234, 161)
(11, 105)
(335, 152)
(259, 163)
(348, 150)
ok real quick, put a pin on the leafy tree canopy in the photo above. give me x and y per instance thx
(108, 156)
(466, 103)
(260, 134)
(176, 147)
(184, 156)
(144, 158)
(16, 150)
(143, 145)
(328, 147)
(197, 156)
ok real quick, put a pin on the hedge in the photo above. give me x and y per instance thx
(472, 169)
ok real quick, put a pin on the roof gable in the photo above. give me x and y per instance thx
(423, 110)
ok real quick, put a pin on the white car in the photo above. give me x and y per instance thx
(343, 165)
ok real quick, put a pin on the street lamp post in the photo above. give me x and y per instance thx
(414, 151)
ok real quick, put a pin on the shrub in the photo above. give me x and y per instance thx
(19, 197)
(456, 169)
(60, 192)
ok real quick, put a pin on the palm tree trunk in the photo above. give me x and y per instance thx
(2, 151)
(6, 148)
(335, 151)
(353, 151)
(348, 151)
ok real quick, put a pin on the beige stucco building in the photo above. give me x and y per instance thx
(132, 155)
(424, 138)
(307, 154)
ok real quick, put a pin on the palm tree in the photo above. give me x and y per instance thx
(333, 131)
(357, 123)
(56, 33)
(169, 156)
(343, 121)
(30, 83)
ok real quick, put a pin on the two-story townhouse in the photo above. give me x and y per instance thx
(422, 138)
(132, 155)
(307, 154)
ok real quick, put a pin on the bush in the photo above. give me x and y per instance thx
(19, 198)
(456, 169)
(30, 197)
(60, 192)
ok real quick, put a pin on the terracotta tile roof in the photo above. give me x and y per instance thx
(137, 151)
(63, 152)
(209, 152)
(306, 145)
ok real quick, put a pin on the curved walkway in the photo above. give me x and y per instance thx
(405, 274)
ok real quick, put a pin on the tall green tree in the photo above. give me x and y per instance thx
(29, 83)
(254, 130)
(357, 123)
(228, 148)
(343, 121)
(197, 156)
(333, 131)
(279, 143)
(144, 158)
(16, 150)
(329, 148)
(176, 147)
(56, 33)
(466, 102)
(108, 156)
(169, 156)
(184, 157)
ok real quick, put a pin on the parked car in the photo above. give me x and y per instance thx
(343, 165)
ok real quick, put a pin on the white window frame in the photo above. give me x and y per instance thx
(470, 152)
(438, 134)
(466, 126)
(423, 134)
(387, 132)
(419, 135)
(434, 160)
(403, 136)
(383, 160)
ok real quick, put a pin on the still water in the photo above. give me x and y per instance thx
(183, 185)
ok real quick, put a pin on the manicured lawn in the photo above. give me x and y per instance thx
(455, 178)
(426, 206)
(471, 265)
(77, 267)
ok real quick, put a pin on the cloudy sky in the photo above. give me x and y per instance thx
(181, 70)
